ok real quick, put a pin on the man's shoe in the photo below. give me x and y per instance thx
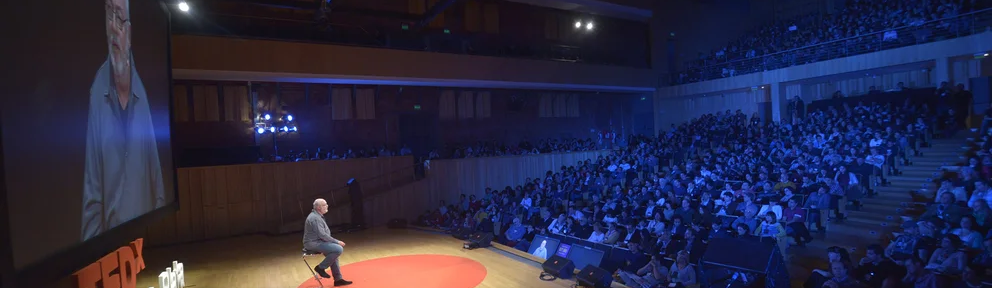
(321, 272)
(341, 282)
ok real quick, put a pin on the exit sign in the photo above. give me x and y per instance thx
(416, 107)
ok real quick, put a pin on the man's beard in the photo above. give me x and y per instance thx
(120, 64)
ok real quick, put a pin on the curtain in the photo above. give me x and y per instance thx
(545, 106)
(483, 104)
(561, 105)
(341, 104)
(963, 70)
(572, 107)
(206, 106)
(446, 105)
(466, 104)
(237, 104)
(793, 90)
(365, 104)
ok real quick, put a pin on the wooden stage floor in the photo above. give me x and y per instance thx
(274, 261)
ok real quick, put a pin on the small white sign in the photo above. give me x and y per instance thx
(173, 277)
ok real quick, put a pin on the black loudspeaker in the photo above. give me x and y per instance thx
(481, 239)
(559, 267)
(742, 254)
(461, 233)
(595, 277)
(981, 93)
(357, 203)
(396, 223)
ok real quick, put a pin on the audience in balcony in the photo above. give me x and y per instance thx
(755, 51)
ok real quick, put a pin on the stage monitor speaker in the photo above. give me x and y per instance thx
(595, 277)
(462, 233)
(559, 267)
(740, 255)
(396, 223)
(481, 239)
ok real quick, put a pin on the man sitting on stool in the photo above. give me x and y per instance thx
(317, 237)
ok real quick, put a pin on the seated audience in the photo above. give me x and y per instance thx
(877, 271)
(918, 277)
(681, 272)
(651, 275)
(948, 259)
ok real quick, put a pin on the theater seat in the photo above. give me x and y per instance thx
(310, 268)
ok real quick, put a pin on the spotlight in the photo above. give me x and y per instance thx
(589, 26)
(289, 117)
(267, 117)
(183, 6)
(272, 129)
(578, 24)
(285, 129)
(260, 130)
(293, 129)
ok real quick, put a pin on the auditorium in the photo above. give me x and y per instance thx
(496, 144)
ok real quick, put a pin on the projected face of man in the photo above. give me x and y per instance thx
(119, 45)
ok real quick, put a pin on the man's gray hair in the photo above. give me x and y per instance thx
(318, 201)
(127, 7)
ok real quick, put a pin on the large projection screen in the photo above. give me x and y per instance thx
(86, 122)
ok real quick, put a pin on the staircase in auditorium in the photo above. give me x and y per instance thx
(882, 214)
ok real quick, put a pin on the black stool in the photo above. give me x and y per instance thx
(311, 268)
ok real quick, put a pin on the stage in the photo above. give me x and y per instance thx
(378, 257)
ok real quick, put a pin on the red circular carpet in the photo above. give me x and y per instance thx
(422, 271)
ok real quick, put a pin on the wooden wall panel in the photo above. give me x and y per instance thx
(471, 176)
(223, 201)
(183, 217)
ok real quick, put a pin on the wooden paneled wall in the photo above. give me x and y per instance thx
(221, 201)
(471, 176)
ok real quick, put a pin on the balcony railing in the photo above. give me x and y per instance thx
(937, 30)
(428, 40)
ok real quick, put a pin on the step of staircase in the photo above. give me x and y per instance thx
(874, 204)
(879, 216)
(911, 178)
(940, 153)
(900, 196)
(891, 189)
(866, 231)
(938, 162)
(926, 172)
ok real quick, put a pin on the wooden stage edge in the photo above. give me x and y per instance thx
(274, 261)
